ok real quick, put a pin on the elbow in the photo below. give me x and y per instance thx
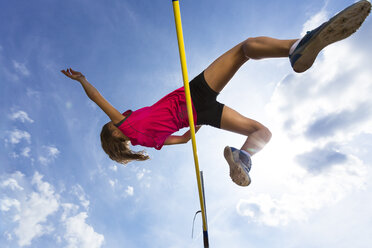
(93, 95)
(186, 140)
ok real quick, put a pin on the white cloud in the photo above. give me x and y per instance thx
(51, 153)
(11, 183)
(7, 203)
(21, 68)
(16, 136)
(32, 93)
(26, 152)
(113, 182)
(33, 211)
(80, 234)
(43, 160)
(79, 192)
(335, 85)
(68, 210)
(113, 167)
(32, 207)
(143, 176)
(304, 194)
(8, 236)
(14, 155)
(129, 191)
(22, 116)
(315, 21)
(142, 173)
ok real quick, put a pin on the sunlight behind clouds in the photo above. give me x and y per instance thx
(314, 116)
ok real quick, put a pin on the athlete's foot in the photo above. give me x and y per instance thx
(337, 28)
(240, 165)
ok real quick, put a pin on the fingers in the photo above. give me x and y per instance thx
(75, 72)
(65, 72)
(68, 73)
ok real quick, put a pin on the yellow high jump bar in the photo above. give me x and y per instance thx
(181, 47)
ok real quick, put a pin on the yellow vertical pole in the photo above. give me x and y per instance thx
(181, 47)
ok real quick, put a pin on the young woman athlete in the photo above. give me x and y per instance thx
(153, 126)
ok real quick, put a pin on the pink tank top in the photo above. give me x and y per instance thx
(151, 126)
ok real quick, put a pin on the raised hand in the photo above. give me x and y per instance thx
(75, 75)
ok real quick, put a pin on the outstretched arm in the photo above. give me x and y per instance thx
(94, 95)
(175, 139)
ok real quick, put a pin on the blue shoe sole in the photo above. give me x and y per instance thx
(337, 28)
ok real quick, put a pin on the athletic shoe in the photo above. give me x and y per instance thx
(240, 165)
(337, 28)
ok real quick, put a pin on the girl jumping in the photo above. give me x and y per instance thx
(153, 126)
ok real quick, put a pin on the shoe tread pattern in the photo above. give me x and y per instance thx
(238, 173)
(337, 28)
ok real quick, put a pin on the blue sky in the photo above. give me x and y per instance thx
(310, 185)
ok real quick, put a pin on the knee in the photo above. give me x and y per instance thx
(250, 48)
(265, 133)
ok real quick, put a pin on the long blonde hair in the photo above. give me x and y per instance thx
(117, 148)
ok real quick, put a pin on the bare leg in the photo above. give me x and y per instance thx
(258, 134)
(219, 73)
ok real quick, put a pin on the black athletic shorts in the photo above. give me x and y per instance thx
(208, 109)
